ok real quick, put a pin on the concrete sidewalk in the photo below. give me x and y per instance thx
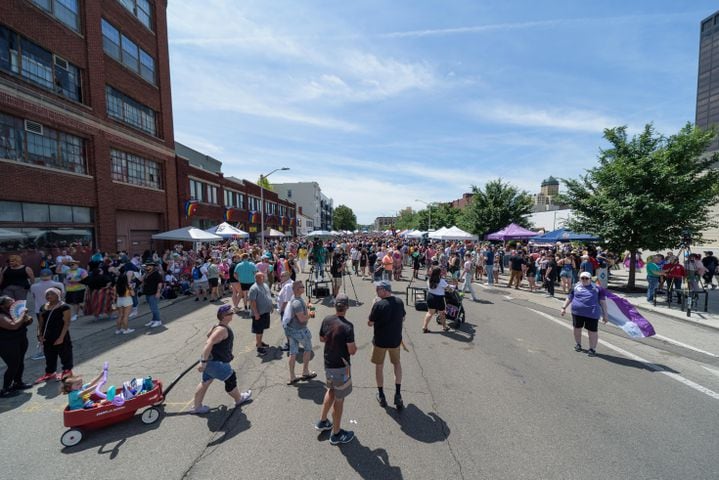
(618, 278)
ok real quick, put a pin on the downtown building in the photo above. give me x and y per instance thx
(311, 202)
(86, 133)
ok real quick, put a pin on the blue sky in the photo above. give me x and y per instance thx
(385, 102)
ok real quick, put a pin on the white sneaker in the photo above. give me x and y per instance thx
(119, 331)
(73, 318)
(155, 324)
(244, 397)
(133, 313)
(148, 323)
(127, 331)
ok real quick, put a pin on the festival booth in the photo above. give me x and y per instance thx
(225, 230)
(272, 233)
(456, 233)
(437, 234)
(415, 234)
(187, 234)
(319, 234)
(511, 232)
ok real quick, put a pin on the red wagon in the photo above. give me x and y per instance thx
(109, 413)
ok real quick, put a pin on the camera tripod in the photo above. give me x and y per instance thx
(344, 286)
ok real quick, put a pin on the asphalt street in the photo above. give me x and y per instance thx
(505, 397)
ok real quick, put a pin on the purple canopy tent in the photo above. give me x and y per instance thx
(511, 232)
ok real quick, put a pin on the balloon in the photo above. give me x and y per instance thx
(110, 395)
(101, 383)
(119, 400)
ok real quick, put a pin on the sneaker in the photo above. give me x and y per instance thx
(382, 400)
(46, 377)
(261, 351)
(128, 331)
(20, 386)
(73, 318)
(591, 352)
(200, 410)
(148, 323)
(244, 397)
(399, 405)
(118, 331)
(133, 313)
(264, 345)
(578, 347)
(343, 436)
(155, 324)
(38, 356)
(323, 425)
(65, 374)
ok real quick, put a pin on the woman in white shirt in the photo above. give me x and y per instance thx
(435, 299)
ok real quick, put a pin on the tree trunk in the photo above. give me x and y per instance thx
(632, 269)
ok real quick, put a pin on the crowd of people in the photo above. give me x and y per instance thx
(259, 281)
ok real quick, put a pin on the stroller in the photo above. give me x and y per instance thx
(454, 311)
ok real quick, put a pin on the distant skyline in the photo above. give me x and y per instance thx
(383, 103)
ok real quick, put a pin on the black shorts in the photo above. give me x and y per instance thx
(259, 326)
(75, 298)
(245, 286)
(435, 302)
(213, 282)
(591, 324)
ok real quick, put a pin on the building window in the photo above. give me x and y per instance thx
(254, 204)
(133, 113)
(125, 51)
(229, 198)
(128, 168)
(19, 56)
(67, 11)
(197, 190)
(289, 193)
(241, 200)
(141, 9)
(211, 194)
(36, 144)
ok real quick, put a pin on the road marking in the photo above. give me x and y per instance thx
(715, 372)
(508, 297)
(676, 342)
(647, 363)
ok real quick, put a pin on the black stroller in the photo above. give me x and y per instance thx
(454, 311)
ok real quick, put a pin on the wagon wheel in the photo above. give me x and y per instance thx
(149, 416)
(71, 437)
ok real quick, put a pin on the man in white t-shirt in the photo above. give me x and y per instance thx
(467, 274)
(38, 289)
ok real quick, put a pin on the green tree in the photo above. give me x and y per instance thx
(646, 190)
(437, 215)
(264, 183)
(495, 207)
(344, 218)
(406, 219)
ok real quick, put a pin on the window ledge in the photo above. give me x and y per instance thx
(42, 167)
(153, 189)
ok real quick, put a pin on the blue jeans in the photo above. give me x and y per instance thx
(653, 284)
(489, 270)
(153, 303)
(135, 301)
(468, 285)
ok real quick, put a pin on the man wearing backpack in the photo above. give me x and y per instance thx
(199, 280)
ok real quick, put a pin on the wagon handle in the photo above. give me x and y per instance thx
(177, 379)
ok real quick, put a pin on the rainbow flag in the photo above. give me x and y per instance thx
(191, 208)
(254, 216)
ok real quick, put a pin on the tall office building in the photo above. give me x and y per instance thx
(86, 134)
(308, 195)
(707, 113)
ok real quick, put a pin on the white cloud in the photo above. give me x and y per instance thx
(553, 118)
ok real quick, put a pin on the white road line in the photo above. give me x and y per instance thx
(508, 297)
(647, 363)
(715, 372)
(676, 342)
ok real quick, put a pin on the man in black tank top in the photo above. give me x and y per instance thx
(215, 362)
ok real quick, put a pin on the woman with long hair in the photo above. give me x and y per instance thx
(13, 345)
(436, 286)
(123, 294)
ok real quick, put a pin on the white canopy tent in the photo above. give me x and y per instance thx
(415, 234)
(437, 234)
(273, 233)
(187, 234)
(456, 233)
(319, 234)
(226, 230)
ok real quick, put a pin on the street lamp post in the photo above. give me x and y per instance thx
(429, 213)
(262, 204)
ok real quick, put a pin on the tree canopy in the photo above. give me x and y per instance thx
(264, 183)
(646, 190)
(344, 218)
(495, 207)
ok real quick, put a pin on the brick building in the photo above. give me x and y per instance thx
(86, 134)
(219, 198)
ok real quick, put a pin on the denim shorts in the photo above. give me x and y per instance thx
(216, 371)
(299, 336)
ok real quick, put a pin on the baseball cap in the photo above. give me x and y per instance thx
(384, 284)
(45, 272)
(585, 275)
(342, 300)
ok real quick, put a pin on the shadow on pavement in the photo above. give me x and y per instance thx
(273, 353)
(50, 389)
(311, 390)
(14, 400)
(464, 334)
(627, 362)
(423, 427)
(229, 424)
(370, 464)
